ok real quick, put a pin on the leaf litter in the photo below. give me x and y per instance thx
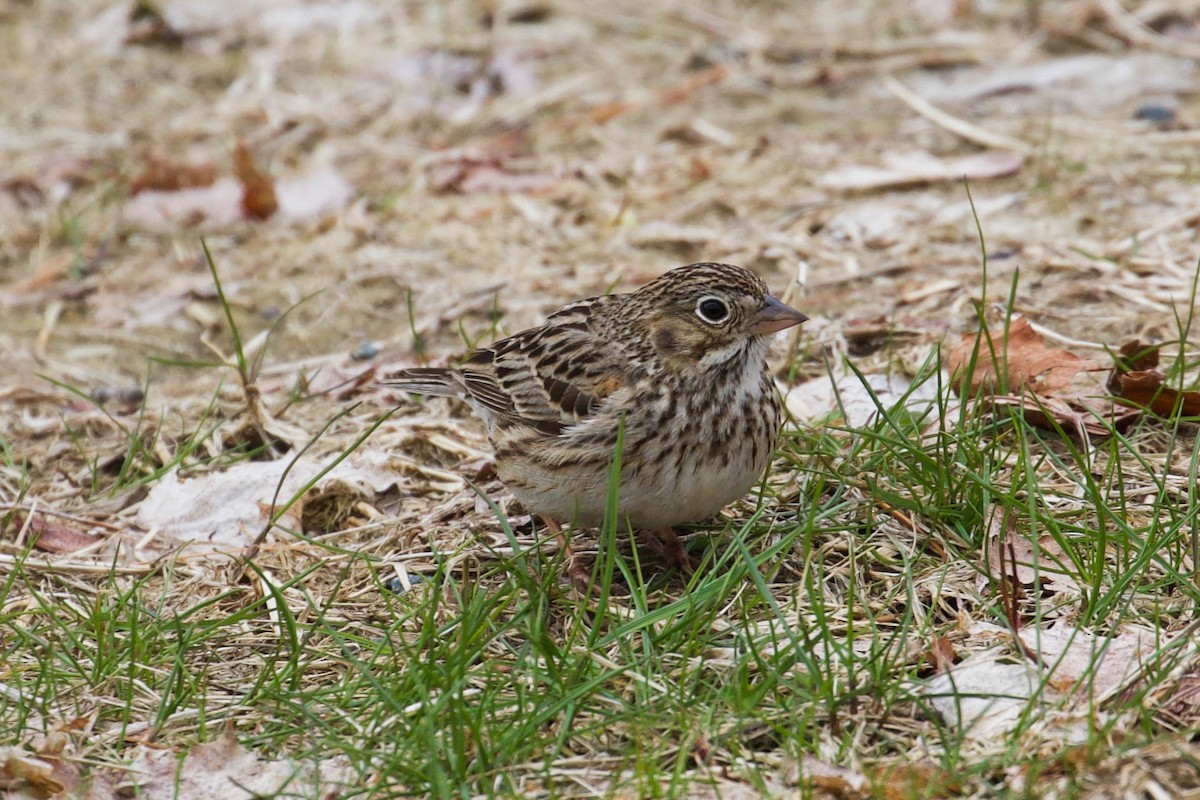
(1052, 389)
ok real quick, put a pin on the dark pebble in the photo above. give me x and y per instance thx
(396, 586)
(1155, 112)
(365, 351)
(126, 396)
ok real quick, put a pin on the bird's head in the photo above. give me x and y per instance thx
(702, 315)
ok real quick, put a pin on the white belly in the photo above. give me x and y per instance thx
(695, 491)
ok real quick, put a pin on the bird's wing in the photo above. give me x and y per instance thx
(552, 376)
(437, 381)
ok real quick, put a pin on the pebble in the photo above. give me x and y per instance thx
(1155, 112)
(365, 352)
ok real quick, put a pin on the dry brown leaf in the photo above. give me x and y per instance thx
(258, 190)
(165, 175)
(53, 536)
(1025, 362)
(20, 770)
(1183, 701)
(1146, 390)
(43, 773)
(903, 781)
(1042, 563)
(1072, 416)
(1137, 357)
(941, 654)
(1138, 382)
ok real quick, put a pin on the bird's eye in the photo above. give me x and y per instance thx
(712, 310)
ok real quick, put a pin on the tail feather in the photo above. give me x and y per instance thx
(425, 380)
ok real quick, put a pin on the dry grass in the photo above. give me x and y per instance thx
(506, 158)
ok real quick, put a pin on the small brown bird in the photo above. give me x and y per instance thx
(682, 361)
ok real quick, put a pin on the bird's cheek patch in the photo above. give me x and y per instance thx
(665, 341)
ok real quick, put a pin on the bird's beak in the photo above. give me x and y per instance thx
(774, 316)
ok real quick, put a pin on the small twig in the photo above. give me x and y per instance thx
(899, 515)
(49, 323)
(1137, 32)
(1009, 583)
(959, 127)
(62, 567)
(1050, 333)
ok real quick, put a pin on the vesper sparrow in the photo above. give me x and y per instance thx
(682, 360)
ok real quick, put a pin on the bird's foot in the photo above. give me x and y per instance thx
(665, 542)
(581, 579)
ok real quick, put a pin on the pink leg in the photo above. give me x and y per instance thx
(581, 579)
(667, 543)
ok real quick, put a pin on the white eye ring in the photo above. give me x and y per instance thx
(712, 310)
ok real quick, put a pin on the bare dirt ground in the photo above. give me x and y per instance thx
(448, 172)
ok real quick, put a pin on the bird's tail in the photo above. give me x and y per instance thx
(424, 380)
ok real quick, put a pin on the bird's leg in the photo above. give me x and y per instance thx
(667, 544)
(581, 579)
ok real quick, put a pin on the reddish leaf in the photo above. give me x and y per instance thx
(55, 537)
(258, 191)
(1025, 362)
(169, 176)
(1136, 381)
(1146, 389)
(1137, 356)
